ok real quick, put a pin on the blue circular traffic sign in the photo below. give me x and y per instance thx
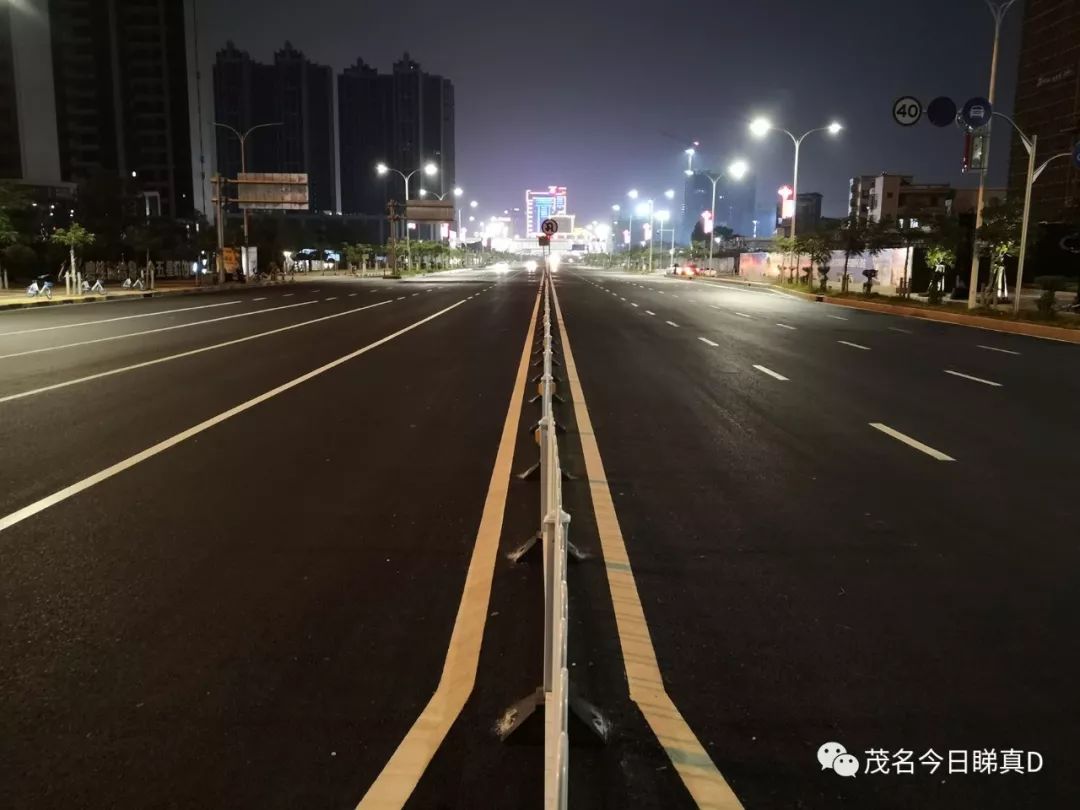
(942, 111)
(977, 112)
(1076, 154)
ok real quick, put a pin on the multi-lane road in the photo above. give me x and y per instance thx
(253, 549)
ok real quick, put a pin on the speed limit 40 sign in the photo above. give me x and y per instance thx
(907, 111)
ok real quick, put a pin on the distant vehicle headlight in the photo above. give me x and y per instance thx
(530, 266)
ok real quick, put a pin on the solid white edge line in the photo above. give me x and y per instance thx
(188, 353)
(121, 318)
(40, 505)
(923, 448)
(151, 331)
(974, 379)
(706, 340)
(771, 373)
(854, 345)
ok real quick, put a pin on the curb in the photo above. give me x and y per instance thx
(1036, 330)
(97, 299)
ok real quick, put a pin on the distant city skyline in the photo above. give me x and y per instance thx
(615, 110)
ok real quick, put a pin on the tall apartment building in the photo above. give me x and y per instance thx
(405, 119)
(29, 152)
(121, 75)
(1048, 105)
(364, 118)
(295, 96)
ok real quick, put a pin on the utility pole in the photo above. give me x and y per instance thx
(998, 9)
(218, 193)
(391, 211)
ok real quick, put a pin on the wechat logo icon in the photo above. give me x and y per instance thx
(832, 755)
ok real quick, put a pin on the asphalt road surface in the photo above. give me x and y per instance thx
(236, 531)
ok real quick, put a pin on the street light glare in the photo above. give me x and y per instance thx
(663, 216)
(458, 191)
(473, 204)
(670, 194)
(632, 194)
(738, 169)
(642, 209)
(760, 127)
(616, 208)
(381, 168)
(835, 127)
(423, 192)
(691, 151)
(688, 172)
(431, 169)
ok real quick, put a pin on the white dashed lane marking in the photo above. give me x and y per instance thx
(854, 345)
(974, 379)
(771, 373)
(707, 341)
(996, 349)
(910, 442)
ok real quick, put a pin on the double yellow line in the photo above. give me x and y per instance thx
(398, 779)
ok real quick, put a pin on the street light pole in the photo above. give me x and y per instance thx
(760, 128)
(243, 166)
(429, 169)
(998, 9)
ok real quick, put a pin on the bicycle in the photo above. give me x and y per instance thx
(36, 290)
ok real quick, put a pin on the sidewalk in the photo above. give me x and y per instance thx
(18, 299)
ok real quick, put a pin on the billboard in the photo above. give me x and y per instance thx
(429, 211)
(272, 191)
(541, 205)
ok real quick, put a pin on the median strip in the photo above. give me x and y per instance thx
(910, 442)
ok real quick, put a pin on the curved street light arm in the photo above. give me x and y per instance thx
(1047, 162)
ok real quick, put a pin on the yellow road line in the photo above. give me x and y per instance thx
(402, 772)
(707, 786)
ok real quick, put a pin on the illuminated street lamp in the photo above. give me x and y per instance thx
(429, 169)
(736, 170)
(760, 127)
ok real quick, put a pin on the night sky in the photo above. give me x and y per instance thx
(602, 97)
